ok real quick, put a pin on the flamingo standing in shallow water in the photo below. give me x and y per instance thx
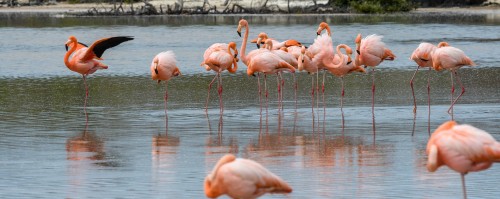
(242, 178)
(422, 55)
(163, 67)
(85, 60)
(463, 148)
(219, 57)
(260, 60)
(343, 67)
(371, 51)
(451, 58)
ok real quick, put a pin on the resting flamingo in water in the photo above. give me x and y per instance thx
(422, 55)
(371, 51)
(263, 37)
(242, 178)
(289, 58)
(164, 67)
(219, 57)
(260, 60)
(343, 67)
(85, 60)
(463, 148)
(452, 59)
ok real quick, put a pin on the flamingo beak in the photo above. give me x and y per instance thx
(358, 52)
(156, 69)
(239, 33)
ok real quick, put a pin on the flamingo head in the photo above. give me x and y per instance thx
(358, 43)
(241, 24)
(71, 40)
(443, 44)
(232, 45)
(176, 72)
(261, 39)
(322, 26)
(348, 51)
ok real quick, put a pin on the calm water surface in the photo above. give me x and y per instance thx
(125, 151)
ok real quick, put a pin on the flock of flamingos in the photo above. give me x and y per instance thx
(462, 148)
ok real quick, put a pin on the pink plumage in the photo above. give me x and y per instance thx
(450, 58)
(372, 51)
(164, 66)
(422, 55)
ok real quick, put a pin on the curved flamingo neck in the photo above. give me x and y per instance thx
(70, 51)
(244, 45)
(341, 56)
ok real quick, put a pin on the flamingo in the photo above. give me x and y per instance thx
(422, 55)
(343, 67)
(452, 59)
(85, 60)
(260, 60)
(262, 38)
(164, 67)
(371, 51)
(219, 57)
(463, 148)
(289, 58)
(242, 178)
(305, 63)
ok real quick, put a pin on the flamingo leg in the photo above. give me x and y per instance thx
(413, 92)
(165, 104)
(312, 95)
(208, 95)
(342, 103)
(461, 93)
(279, 89)
(221, 104)
(86, 96)
(265, 87)
(450, 110)
(323, 94)
(260, 93)
(282, 88)
(463, 185)
(373, 100)
(429, 101)
(296, 88)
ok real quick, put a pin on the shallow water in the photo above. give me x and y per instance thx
(125, 151)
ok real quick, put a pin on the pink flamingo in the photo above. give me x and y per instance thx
(289, 58)
(343, 67)
(371, 51)
(242, 178)
(463, 148)
(260, 60)
(305, 63)
(85, 60)
(262, 38)
(163, 67)
(451, 58)
(422, 55)
(219, 57)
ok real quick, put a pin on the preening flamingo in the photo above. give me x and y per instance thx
(242, 178)
(451, 58)
(85, 60)
(260, 60)
(163, 67)
(219, 57)
(463, 148)
(371, 51)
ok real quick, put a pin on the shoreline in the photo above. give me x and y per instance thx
(79, 9)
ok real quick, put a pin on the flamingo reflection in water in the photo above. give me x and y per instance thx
(242, 178)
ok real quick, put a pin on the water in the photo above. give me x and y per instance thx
(125, 151)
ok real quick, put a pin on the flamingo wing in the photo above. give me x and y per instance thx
(98, 47)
